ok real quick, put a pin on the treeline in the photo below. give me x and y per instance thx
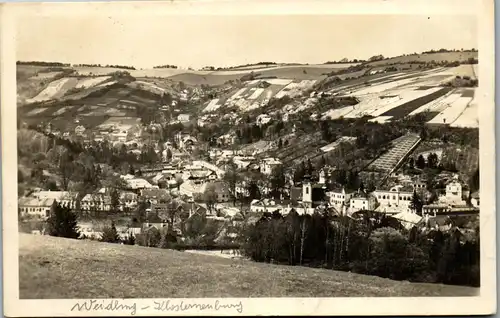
(374, 246)
(107, 65)
(448, 51)
(42, 63)
(166, 66)
(345, 60)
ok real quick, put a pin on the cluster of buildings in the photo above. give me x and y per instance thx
(395, 200)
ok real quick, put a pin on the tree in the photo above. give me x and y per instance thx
(420, 162)
(432, 161)
(62, 222)
(423, 133)
(210, 196)
(325, 131)
(310, 168)
(277, 181)
(474, 181)
(140, 212)
(416, 203)
(65, 168)
(231, 179)
(174, 209)
(376, 58)
(169, 155)
(109, 234)
(253, 190)
(115, 200)
(411, 163)
(130, 240)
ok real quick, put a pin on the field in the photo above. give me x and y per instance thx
(52, 268)
(390, 160)
(394, 96)
(438, 57)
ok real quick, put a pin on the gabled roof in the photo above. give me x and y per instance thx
(155, 193)
(30, 201)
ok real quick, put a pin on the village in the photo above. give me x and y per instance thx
(219, 188)
(314, 165)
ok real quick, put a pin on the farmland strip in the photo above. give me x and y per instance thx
(406, 108)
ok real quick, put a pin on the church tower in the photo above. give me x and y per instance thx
(307, 192)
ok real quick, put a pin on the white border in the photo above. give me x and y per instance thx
(482, 304)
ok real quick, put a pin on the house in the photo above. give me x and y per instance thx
(223, 193)
(395, 200)
(79, 130)
(227, 139)
(242, 162)
(96, 202)
(265, 205)
(339, 197)
(119, 136)
(65, 198)
(35, 208)
(267, 165)
(207, 165)
(128, 201)
(435, 209)
(183, 118)
(263, 119)
(361, 201)
(408, 220)
(442, 223)
(155, 195)
(136, 184)
(192, 190)
(454, 193)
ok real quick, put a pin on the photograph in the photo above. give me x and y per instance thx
(175, 162)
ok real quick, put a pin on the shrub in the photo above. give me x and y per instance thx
(110, 235)
(62, 222)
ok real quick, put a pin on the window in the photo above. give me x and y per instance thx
(394, 197)
(307, 190)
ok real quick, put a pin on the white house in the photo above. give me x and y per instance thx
(34, 207)
(119, 136)
(96, 202)
(361, 201)
(136, 183)
(339, 197)
(128, 200)
(242, 162)
(267, 165)
(265, 205)
(79, 130)
(263, 119)
(395, 200)
(183, 118)
(65, 198)
(454, 193)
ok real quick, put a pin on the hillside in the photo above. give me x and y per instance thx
(52, 267)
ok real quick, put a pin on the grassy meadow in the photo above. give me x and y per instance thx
(52, 267)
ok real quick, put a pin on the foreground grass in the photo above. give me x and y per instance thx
(52, 267)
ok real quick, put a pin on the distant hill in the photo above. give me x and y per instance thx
(53, 267)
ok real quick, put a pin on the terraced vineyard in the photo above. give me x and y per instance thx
(307, 147)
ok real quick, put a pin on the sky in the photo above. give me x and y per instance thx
(207, 40)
